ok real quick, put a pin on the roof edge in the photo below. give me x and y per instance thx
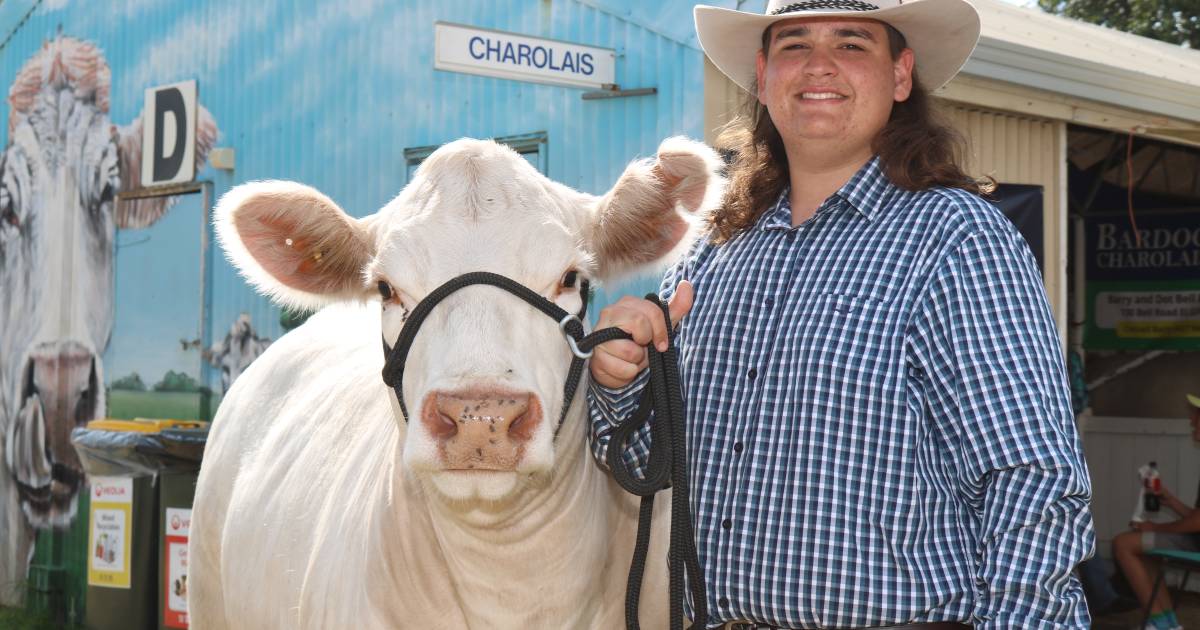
(1074, 76)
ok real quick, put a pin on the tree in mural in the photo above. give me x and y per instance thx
(174, 381)
(1173, 21)
(133, 382)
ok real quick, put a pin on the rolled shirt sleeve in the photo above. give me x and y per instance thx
(608, 408)
(986, 342)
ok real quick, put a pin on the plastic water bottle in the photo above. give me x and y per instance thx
(1153, 488)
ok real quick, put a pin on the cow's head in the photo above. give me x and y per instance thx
(484, 379)
(59, 175)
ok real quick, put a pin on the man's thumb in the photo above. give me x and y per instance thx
(681, 301)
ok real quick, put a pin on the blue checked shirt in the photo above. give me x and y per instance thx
(879, 423)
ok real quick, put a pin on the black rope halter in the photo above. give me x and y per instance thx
(668, 448)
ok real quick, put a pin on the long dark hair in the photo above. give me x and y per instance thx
(917, 150)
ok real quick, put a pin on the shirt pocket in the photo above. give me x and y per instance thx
(849, 349)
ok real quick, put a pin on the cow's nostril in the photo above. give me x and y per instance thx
(85, 408)
(446, 427)
(519, 427)
(29, 387)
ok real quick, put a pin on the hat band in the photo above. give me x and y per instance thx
(841, 5)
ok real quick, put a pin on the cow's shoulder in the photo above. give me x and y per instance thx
(333, 361)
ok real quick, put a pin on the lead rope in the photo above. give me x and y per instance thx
(667, 466)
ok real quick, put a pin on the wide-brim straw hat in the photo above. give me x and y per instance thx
(941, 33)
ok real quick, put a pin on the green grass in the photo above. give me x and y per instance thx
(126, 404)
(18, 619)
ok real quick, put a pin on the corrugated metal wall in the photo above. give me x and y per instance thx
(332, 93)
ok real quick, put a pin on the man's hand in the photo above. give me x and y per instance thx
(616, 363)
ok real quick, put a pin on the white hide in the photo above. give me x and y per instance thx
(318, 506)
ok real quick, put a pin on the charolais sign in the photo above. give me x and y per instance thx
(1143, 295)
(485, 52)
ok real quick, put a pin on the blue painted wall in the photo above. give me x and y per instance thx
(332, 93)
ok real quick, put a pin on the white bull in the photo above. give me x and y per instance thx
(318, 506)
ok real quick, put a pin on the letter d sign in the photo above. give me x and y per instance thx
(169, 134)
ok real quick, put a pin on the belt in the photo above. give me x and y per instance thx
(935, 625)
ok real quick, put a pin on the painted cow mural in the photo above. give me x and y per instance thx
(320, 506)
(60, 172)
(233, 354)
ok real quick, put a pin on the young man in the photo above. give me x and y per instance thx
(1129, 548)
(879, 426)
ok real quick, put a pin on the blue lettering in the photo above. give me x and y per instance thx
(491, 50)
(508, 53)
(471, 46)
(550, 64)
(569, 62)
(523, 55)
(542, 63)
(585, 63)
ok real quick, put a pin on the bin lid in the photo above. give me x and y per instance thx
(144, 425)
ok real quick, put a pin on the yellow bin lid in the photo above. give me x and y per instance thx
(144, 425)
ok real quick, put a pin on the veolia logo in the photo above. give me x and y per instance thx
(175, 523)
(108, 491)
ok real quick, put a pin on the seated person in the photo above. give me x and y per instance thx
(1129, 548)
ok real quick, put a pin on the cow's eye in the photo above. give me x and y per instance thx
(570, 279)
(385, 290)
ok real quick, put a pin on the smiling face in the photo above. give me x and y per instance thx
(831, 81)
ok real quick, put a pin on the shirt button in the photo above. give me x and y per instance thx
(727, 524)
(723, 602)
(770, 301)
(791, 234)
(737, 447)
(752, 374)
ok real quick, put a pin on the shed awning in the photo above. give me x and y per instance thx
(1035, 49)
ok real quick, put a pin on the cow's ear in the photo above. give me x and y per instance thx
(656, 208)
(294, 243)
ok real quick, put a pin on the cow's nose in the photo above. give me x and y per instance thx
(61, 389)
(64, 374)
(483, 430)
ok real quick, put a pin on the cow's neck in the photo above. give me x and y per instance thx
(550, 554)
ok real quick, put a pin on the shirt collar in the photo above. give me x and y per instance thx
(779, 215)
(866, 192)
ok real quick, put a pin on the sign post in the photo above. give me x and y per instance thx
(169, 134)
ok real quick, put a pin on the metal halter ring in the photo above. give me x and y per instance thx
(562, 325)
